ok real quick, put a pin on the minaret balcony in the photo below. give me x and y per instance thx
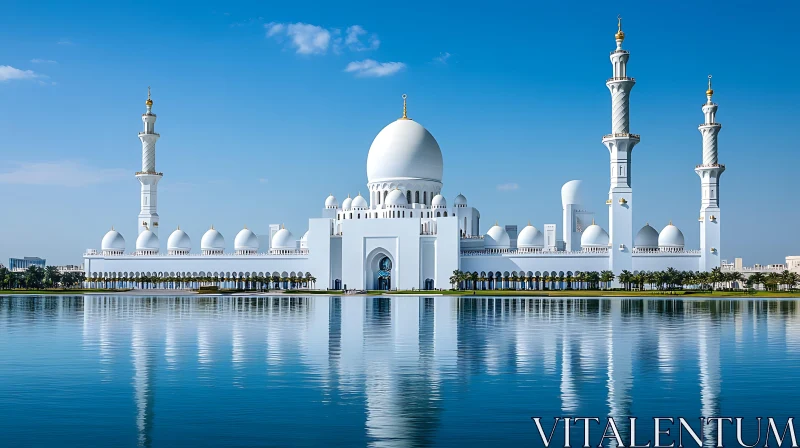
(619, 50)
(154, 173)
(621, 78)
(715, 165)
(710, 124)
(623, 135)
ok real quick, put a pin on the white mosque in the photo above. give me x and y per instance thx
(404, 235)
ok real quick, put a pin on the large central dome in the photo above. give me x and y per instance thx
(404, 150)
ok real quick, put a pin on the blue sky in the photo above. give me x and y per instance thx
(266, 107)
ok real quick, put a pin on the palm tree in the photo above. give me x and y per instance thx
(515, 280)
(607, 277)
(51, 276)
(625, 279)
(455, 278)
(757, 279)
(772, 281)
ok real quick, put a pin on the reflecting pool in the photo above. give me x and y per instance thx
(384, 371)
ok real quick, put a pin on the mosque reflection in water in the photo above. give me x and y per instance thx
(415, 371)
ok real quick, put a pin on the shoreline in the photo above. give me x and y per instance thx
(727, 295)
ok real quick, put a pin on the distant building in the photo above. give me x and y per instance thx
(21, 264)
(69, 268)
(793, 264)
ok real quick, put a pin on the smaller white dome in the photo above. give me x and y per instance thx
(304, 240)
(212, 241)
(359, 203)
(147, 242)
(571, 193)
(396, 198)
(670, 237)
(530, 237)
(646, 238)
(283, 240)
(594, 236)
(331, 202)
(347, 204)
(497, 238)
(113, 242)
(460, 201)
(438, 201)
(245, 241)
(179, 241)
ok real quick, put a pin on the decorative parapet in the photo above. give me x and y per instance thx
(297, 252)
(152, 173)
(620, 78)
(602, 251)
(663, 252)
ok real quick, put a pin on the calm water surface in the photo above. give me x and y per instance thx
(383, 372)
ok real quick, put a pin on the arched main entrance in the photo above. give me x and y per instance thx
(384, 274)
(380, 270)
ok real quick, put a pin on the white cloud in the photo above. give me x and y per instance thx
(303, 37)
(63, 173)
(43, 61)
(263, 180)
(8, 73)
(442, 58)
(353, 39)
(511, 186)
(64, 42)
(372, 68)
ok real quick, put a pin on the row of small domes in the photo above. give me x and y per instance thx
(395, 198)
(529, 238)
(594, 236)
(670, 237)
(212, 240)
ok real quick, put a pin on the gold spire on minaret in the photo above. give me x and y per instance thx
(405, 109)
(149, 101)
(620, 35)
(710, 91)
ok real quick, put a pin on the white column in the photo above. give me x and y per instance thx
(709, 172)
(148, 177)
(620, 144)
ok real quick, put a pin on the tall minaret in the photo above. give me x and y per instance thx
(709, 173)
(148, 216)
(620, 143)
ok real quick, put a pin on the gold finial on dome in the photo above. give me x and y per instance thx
(710, 91)
(405, 109)
(620, 35)
(149, 101)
